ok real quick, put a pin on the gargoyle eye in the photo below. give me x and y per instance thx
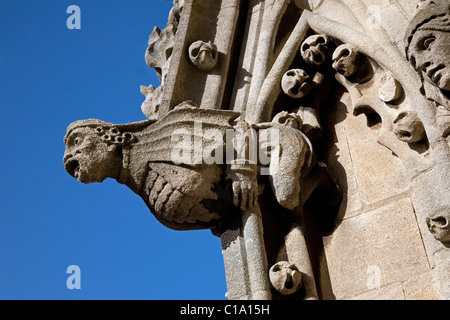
(77, 141)
(425, 43)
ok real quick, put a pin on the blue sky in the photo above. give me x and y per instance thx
(51, 76)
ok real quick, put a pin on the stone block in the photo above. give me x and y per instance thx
(394, 21)
(421, 287)
(409, 7)
(389, 292)
(384, 246)
(379, 174)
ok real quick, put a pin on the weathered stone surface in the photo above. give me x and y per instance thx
(369, 171)
(390, 292)
(340, 161)
(387, 244)
(419, 288)
(416, 288)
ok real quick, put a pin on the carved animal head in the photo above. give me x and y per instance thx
(427, 41)
(93, 150)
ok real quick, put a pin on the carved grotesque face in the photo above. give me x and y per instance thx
(315, 50)
(439, 224)
(285, 277)
(408, 127)
(295, 83)
(345, 59)
(203, 55)
(88, 158)
(292, 120)
(429, 52)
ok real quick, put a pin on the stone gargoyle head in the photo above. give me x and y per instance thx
(140, 155)
(94, 150)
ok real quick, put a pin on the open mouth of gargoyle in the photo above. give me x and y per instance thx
(301, 87)
(434, 73)
(72, 167)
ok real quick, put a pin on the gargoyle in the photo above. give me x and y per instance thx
(192, 192)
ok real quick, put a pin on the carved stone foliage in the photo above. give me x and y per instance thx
(158, 56)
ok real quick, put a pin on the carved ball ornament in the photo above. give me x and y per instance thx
(114, 136)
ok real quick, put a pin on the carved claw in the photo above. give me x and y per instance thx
(245, 191)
